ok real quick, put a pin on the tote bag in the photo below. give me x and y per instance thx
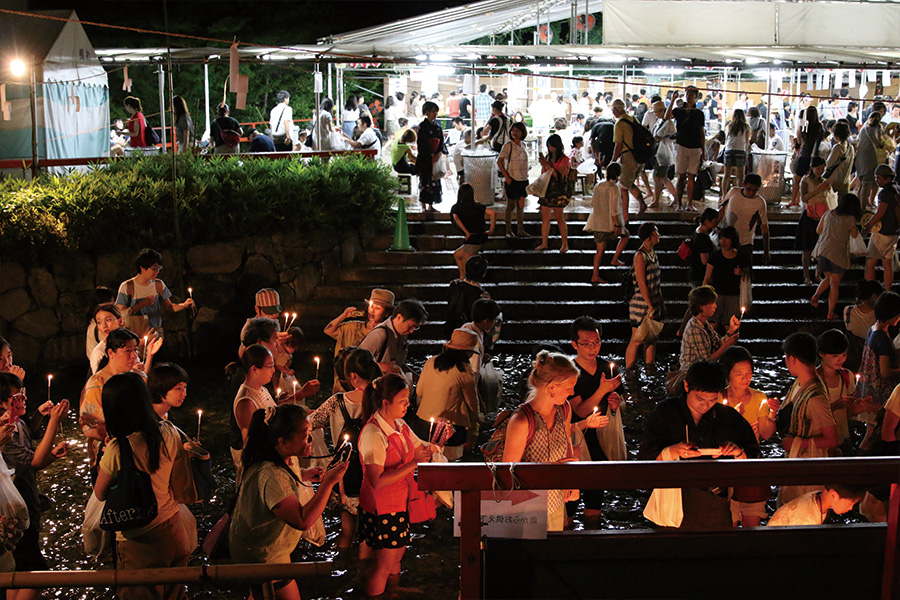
(539, 186)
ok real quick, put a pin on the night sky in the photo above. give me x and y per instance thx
(267, 22)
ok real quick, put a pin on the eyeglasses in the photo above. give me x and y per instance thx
(589, 344)
(267, 366)
(156, 268)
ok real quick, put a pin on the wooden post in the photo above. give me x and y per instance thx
(470, 545)
(890, 587)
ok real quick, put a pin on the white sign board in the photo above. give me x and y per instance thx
(520, 515)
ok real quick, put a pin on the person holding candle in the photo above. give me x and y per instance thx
(121, 357)
(596, 403)
(146, 296)
(287, 346)
(839, 382)
(252, 395)
(270, 517)
(20, 455)
(388, 340)
(540, 429)
(153, 445)
(343, 413)
(748, 504)
(351, 326)
(804, 419)
(700, 340)
(106, 318)
(390, 453)
(680, 427)
(446, 390)
(6, 360)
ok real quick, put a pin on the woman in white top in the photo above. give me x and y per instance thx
(349, 115)
(259, 366)
(664, 133)
(513, 165)
(737, 141)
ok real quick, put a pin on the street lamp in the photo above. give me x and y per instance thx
(18, 67)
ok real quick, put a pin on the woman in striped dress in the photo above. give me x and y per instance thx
(647, 297)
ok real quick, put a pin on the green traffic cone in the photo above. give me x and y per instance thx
(401, 230)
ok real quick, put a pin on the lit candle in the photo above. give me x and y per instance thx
(857, 379)
(294, 393)
(287, 316)
(743, 310)
(191, 296)
(346, 440)
(317, 367)
(199, 416)
(612, 369)
(687, 438)
(49, 379)
(430, 428)
(277, 392)
(145, 348)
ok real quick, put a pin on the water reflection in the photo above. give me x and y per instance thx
(433, 557)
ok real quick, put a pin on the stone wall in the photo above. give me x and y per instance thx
(43, 306)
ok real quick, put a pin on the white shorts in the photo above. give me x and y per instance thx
(882, 246)
(687, 160)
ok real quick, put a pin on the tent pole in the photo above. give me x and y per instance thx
(316, 140)
(769, 106)
(472, 112)
(624, 77)
(35, 170)
(162, 102)
(206, 92)
(587, 12)
(339, 94)
(330, 81)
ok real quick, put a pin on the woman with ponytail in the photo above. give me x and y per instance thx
(268, 516)
(390, 453)
(540, 429)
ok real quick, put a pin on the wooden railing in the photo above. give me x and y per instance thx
(471, 479)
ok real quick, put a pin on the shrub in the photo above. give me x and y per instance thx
(129, 203)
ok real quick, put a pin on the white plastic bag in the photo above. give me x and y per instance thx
(857, 246)
(539, 186)
(664, 507)
(96, 541)
(438, 168)
(315, 535)
(612, 437)
(13, 511)
(648, 331)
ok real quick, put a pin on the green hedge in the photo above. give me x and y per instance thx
(128, 204)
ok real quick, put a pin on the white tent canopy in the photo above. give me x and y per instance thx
(71, 95)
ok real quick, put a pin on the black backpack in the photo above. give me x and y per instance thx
(354, 475)
(151, 138)
(644, 144)
(628, 285)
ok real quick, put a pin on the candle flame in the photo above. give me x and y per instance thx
(199, 412)
(190, 290)
(346, 438)
(432, 420)
(596, 408)
(293, 316)
(49, 377)
(278, 391)
(317, 360)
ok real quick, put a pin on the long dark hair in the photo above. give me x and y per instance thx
(848, 205)
(262, 437)
(738, 123)
(379, 390)
(813, 126)
(554, 142)
(448, 359)
(117, 338)
(179, 106)
(127, 409)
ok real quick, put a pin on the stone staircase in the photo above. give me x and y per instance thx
(540, 293)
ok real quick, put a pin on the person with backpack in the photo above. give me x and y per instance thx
(540, 429)
(559, 191)
(146, 295)
(497, 129)
(633, 148)
(447, 390)
(343, 414)
(883, 243)
(689, 140)
(225, 132)
(367, 139)
(140, 134)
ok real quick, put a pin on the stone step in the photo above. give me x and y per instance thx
(580, 252)
(682, 228)
(518, 310)
(386, 276)
(429, 292)
(438, 243)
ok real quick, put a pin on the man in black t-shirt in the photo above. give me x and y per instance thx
(464, 108)
(602, 144)
(883, 243)
(224, 123)
(689, 139)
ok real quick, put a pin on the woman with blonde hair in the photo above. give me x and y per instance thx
(540, 429)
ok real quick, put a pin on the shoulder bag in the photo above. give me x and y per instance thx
(131, 503)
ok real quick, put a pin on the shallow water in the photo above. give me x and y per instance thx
(432, 559)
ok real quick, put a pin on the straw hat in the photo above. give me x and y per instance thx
(462, 339)
(659, 106)
(383, 297)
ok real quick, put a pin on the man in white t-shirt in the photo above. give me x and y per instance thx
(367, 139)
(281, 121)
(742, 209)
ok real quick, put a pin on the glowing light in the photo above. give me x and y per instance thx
(17, 67)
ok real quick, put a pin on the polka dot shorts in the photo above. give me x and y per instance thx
(384, 531)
